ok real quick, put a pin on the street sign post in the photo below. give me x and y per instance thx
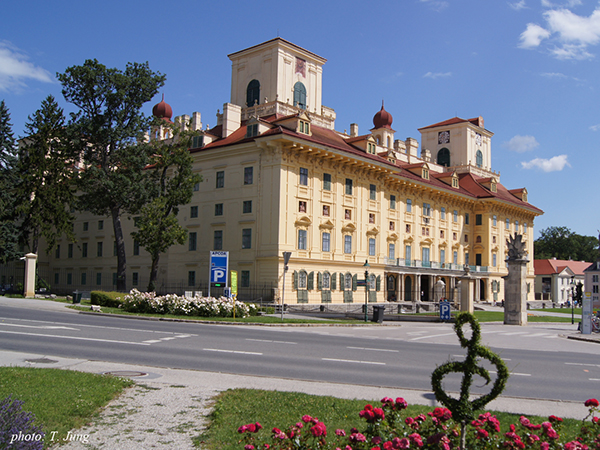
(219, 266)
(234, 282)
(445, 310)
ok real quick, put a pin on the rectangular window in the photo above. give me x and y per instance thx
(70, 251)
(220, 183)
(303, 176)
(371, 218)
(425, 255)
(301, 239)
(478, 259)
(466, 218)
(86, 226)
(371, 247)
(392, 202)
(595, 289)
(98, 278)
(191, 278)
(443, 256)
(99, 249)
(494, 220)
(57, 252)
(114, 278)
(247, 238)
(455, 257)
(594, 278)
(392, 251)
(218, 240)
(507, 224)
(56, 278)
(494, 260)
(373, 192)
(326, 210)
(248, 175)
(524, 228)
(84, 250)
(392, 226)
(408, 205)
(69, 278)
(347, 244)
(101, 224)
(348, 214)
(443, 214)
(196, 187)
(192, 241)
(193, 212)
(348, 186)
(218, 209)
(83, 278)
(245, 278)
(247, 207)
(455, 216)
(426, 209)
(135, 278)
(136, 247)
(466, 259)
(326, 242)
(302, 206)
(517, 226)
(408, 253)
(478, 219)
(326, 181)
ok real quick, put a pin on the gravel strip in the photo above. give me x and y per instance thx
(148, 415)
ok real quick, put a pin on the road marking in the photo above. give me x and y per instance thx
(230, 351)
(374, 349)
(353, 361)
(513, 373)
(594, 379)
(74, 337)
(514, 333)
(582, 364)
(45, 327)
(272, 342)
(538, 334)
(433, 336)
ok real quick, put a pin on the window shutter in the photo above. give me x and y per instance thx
(295, 280)
(310, 285)
(341, 281)
(333, 281)
(378, 283)
(354, 282)
(319, 281)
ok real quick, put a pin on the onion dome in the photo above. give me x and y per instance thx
(162, 110)
(383, 119)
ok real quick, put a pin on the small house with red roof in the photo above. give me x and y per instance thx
(555, 279)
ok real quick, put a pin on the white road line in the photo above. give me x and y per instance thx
(433, 336)
(582, 364)
(74, 337)
(353, 361)
(537, 334)
(514, 333)
(374, 349)
(272, 342)
(153, 341)
(45, 327)
(513, 373)
(230, 351)
(594, 379)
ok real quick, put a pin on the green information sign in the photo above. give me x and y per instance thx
(233, 278)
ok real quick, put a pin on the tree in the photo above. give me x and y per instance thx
(171, 169)
(8, 181)
(562, 243)
(107, 129)
(47, 177)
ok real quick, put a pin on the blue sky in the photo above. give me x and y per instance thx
(529, 67)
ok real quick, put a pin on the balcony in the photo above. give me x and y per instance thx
(401, 262)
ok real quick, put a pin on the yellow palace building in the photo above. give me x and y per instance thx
(277, 177)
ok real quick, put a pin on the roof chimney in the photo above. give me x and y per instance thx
(353, 130)
(232, 118)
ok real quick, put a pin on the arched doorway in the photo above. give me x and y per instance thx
(482, 296)
(426, 294)
(391, 283)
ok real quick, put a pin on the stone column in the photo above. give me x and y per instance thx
(30, 263)
(467, 284)
(515, 293)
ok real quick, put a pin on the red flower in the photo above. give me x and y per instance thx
(401, 403)
(306, 418)
(482, 434)
(592, 402)
(319, 429)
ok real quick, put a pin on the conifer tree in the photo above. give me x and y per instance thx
(8, 182)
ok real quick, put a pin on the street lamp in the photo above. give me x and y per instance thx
(572, 300)
(366, 266)
(286, 260)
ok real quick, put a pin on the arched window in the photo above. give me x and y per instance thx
(348, 282)
(300, 95)
(253, 93)
(302, 280)
(326, 283)
(479, 158)
(443, 157)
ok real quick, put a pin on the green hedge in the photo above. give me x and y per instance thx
(109, 299)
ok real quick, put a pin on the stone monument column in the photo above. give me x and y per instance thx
(467, 284)
(515, 283)
(30, 263)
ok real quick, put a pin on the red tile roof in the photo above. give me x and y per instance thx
(477, 121)
(554, 266)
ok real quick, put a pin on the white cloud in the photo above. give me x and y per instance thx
(437, 75)
(570, 33)
(554, 75)
(554, 164)
(595, 127)
(521, 144)
(436, 5)
(533, 36)
(518, 5)
(15, 69)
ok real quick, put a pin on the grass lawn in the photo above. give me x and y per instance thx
(61, 400)
(237, 407)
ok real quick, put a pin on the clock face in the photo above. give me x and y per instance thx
(443, 137)
(478, 139)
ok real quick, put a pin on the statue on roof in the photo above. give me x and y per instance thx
(516, 247)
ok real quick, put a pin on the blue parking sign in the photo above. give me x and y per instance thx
(445, 310)
(219, 266)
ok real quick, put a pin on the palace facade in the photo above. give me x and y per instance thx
(277, 177)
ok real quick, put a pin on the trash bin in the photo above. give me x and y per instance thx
(77, 297)
(378, 311)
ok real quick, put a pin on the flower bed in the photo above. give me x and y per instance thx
(386, 428)
(149, 303)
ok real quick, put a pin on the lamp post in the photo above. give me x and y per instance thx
(286, 260)
(573, 300)
(366, 266)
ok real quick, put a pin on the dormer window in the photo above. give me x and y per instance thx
(425, 173)
(252, 130)
(303, 127)
(197, 141)
(455, 182)
(493, 187)
(371, 148)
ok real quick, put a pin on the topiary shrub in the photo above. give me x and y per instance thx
(108, 299)
(17, 430)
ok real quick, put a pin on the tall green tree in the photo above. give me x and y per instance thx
(8, 181)
(107, 128)
(562, 243)
(47, 177)
(171, 170)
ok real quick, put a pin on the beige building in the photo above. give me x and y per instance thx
(277, 177)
